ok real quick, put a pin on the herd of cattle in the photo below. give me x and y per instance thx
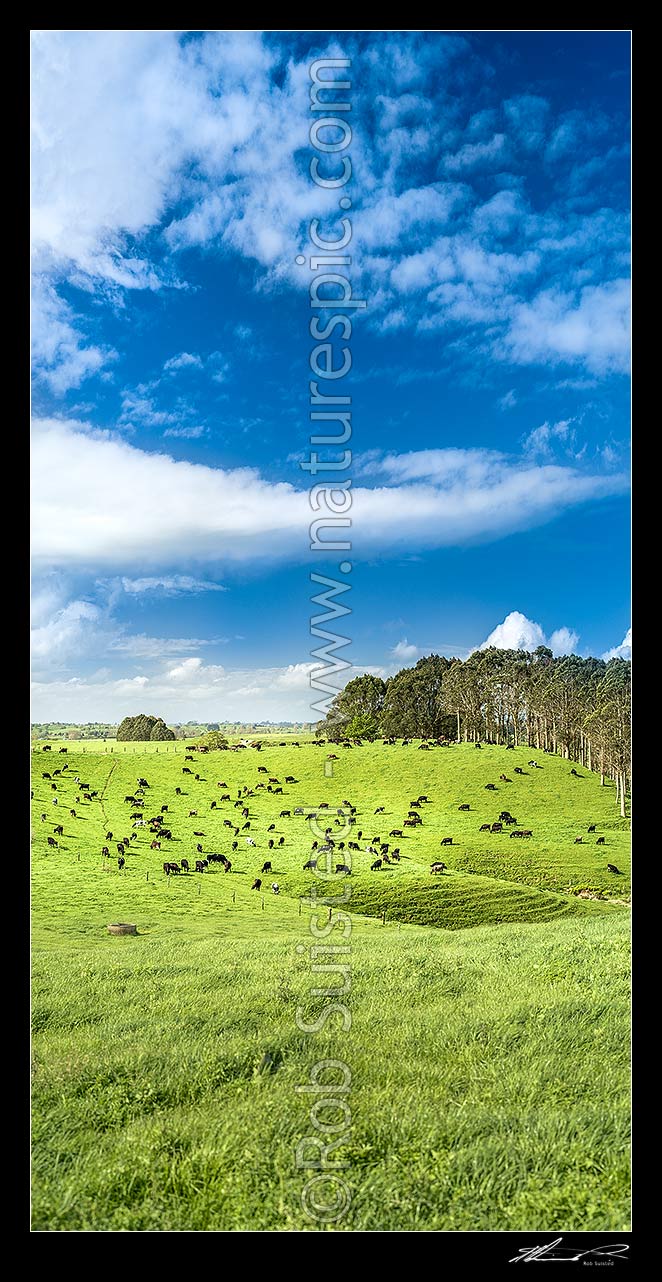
(337, 854)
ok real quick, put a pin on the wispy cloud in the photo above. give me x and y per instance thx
(185, 360)
(433, 498)
(169, 585)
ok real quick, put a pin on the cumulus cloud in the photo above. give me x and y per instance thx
(404, 651)
(431, 498)
(564, 641)
(75, 630)
(592, 328)
(517, 632)
(189, 689)
(622, 651)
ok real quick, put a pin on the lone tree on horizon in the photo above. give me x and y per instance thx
(143, 728)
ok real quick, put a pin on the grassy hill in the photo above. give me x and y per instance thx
(489, 1065)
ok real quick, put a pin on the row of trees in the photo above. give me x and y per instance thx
(577, 707)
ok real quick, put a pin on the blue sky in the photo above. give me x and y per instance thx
(489, 380)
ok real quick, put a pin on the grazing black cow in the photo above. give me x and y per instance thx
(59, 830)
(574, 772)
(376, 866)
(185, 865)
(198, 834)
(311, 864)
(227, 865)
(505, 779)
(613, 868)
(178, 792)
(213, 805)
(395, 832)
(164, 810)
(438, 867)
(199, 848)
(290, 779)
(505, 815)
(52, 842)
(270, 843)
(43, 818)
(591, 828)
(490, 787)
(186, 771)
(121, 862)
(446, 841)
(343, 868)
(192, 814)
(600, 841)
(120, 847)
(464, 807)
(518, 770)
(200, 865)
(266, 867)
(45, 775)
(484, 828)
(497, 827)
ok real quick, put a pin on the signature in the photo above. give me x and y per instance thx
(554, 1251)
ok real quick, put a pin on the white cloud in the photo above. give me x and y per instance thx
(76, 630)
(185, 360)
(405, 651)
(564, 641)
(480, 155)
(592, 328)
(187, 433)
(61, 355)
(188, 670)
(519, 633)
(201, 514)
(189, 689)
(141, 646)
(515, 633)
(622, 651)
(170, 585)
(540, 440)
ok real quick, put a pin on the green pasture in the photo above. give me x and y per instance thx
(489, 1005)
